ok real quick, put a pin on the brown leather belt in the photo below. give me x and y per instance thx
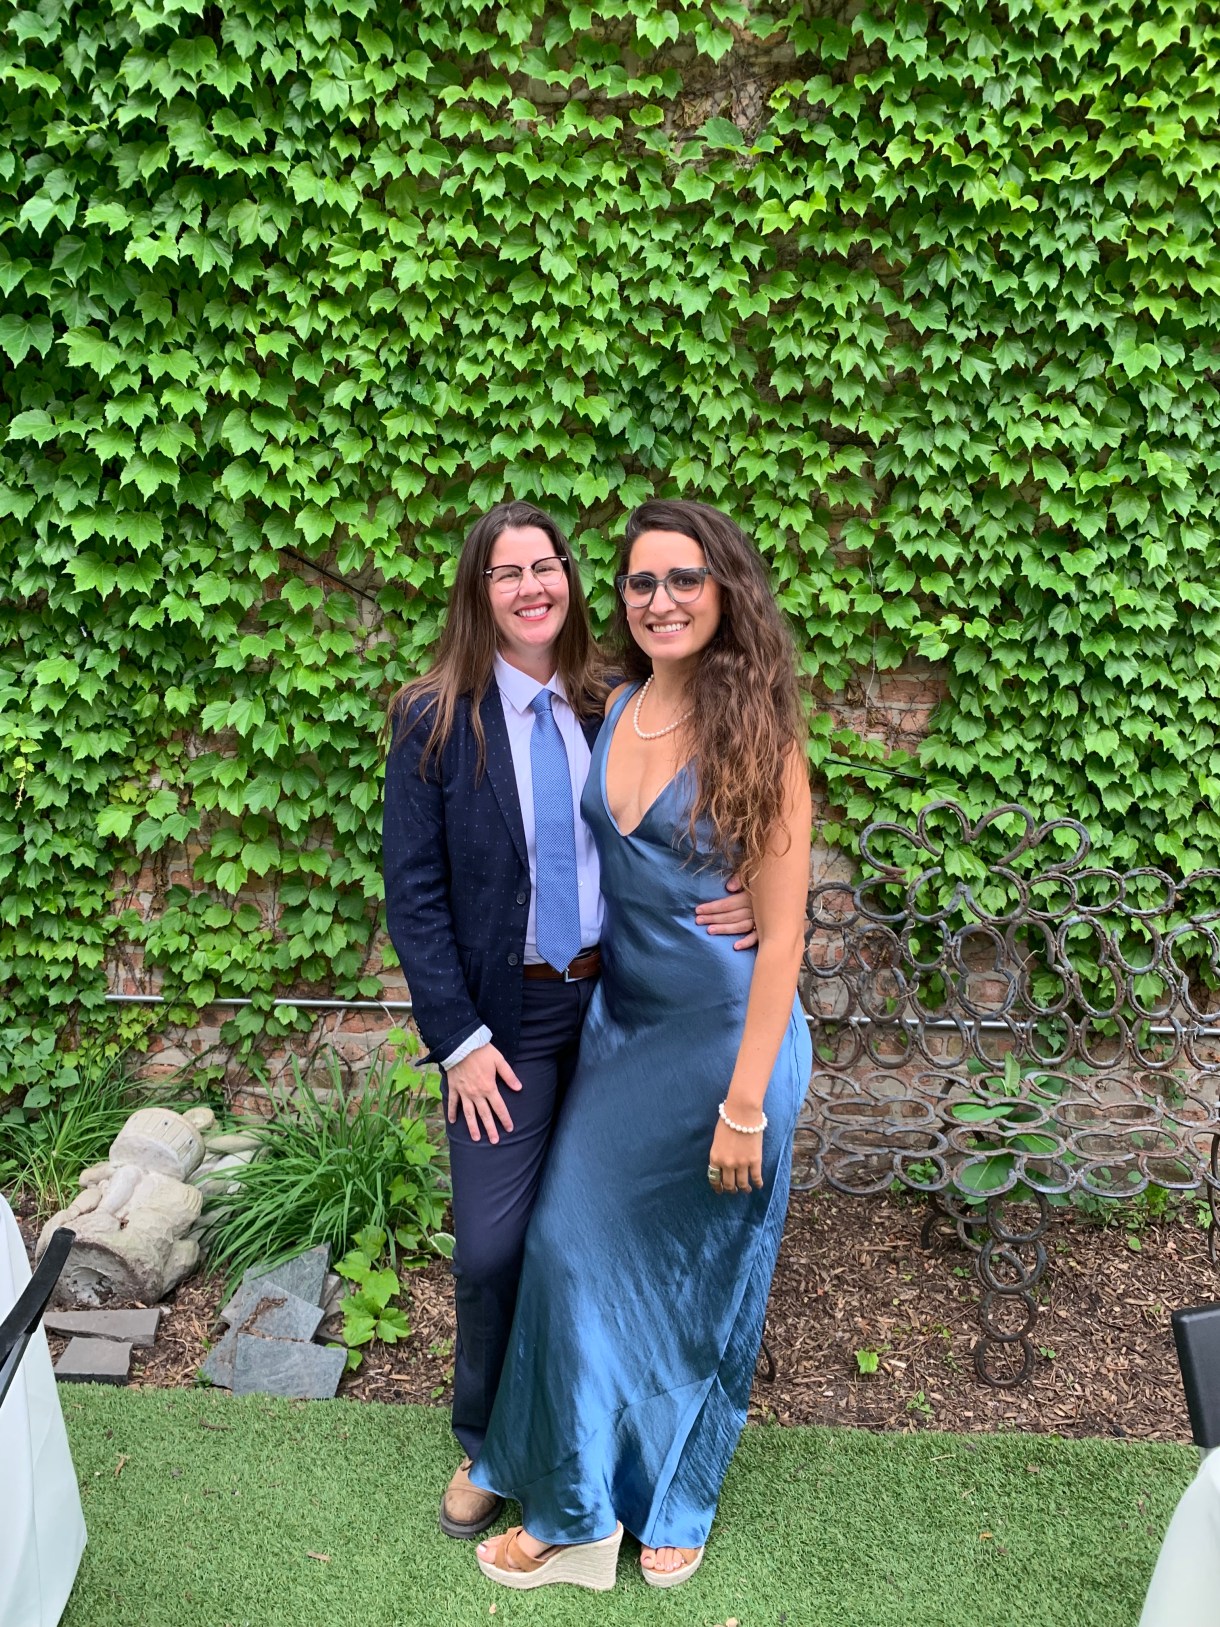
(588, 964)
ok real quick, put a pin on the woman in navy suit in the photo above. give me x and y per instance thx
(493, 906)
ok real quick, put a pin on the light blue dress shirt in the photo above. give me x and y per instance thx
(517, 691)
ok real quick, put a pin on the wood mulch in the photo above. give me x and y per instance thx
(852, 1278)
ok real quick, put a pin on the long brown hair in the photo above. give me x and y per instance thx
(746, 713)
(467, 648)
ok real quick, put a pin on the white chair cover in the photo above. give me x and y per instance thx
(1185, 1586)
(42, 1528)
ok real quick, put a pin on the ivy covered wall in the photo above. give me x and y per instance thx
(926, 295)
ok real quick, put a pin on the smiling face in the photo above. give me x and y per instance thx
(665, 631)
(528, 618)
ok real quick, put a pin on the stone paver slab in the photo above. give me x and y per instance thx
(304, 1275)
(94, 1361)
(286, 1367)
(250, 1296)
(282, 1316)
(137, 1327)
(275, 1314)
(217, 1365)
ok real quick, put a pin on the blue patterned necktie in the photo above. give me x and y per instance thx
(557, 917)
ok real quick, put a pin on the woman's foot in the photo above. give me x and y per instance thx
(668, 1567)
(517, 1560)
(513, 1550)
(531, 1547)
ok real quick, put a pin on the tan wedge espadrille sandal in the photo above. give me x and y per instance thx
(585, 1564)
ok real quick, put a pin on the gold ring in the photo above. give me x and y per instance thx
(713, 1173)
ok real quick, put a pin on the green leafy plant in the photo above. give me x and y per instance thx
(442, 1348)
(1003, 1118)
(1138, 1210)
(867, 1361)
(336, 1162)
(367, 1312)
(921, 1171)
(1002, 1129)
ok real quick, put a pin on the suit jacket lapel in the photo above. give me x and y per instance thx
(592, 727)
(500, 769)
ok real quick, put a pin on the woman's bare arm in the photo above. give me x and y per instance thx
(780, 892)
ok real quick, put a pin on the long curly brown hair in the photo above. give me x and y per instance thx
(746, 715)
(467, 648)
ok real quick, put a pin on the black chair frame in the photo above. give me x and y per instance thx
(19, 1326)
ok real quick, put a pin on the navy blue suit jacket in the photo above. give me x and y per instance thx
(457, 880)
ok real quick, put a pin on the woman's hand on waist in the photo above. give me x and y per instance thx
(473, 1086)
(731, 916)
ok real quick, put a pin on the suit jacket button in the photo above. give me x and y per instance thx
(512, 960)
(523, 898)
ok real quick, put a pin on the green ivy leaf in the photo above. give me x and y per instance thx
(115, 822)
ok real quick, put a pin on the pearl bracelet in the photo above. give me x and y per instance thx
(743, 1129)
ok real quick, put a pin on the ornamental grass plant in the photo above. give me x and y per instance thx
(338, 1160)
(70, 1115)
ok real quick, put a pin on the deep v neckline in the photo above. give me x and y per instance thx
(614, 720)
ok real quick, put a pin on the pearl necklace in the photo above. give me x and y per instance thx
(655, 734)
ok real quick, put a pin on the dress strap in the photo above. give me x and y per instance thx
(616, 711)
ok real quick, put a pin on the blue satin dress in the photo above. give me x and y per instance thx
(643, 1292)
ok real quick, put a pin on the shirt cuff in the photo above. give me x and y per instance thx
(481, 1036)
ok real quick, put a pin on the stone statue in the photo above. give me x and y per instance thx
(134, 1212)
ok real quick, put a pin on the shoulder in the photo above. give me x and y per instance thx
(615, 695)
(796, 763)
(412, 721)
(797, 795)
(410, 711)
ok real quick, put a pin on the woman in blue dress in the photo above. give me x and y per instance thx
(651, 1250)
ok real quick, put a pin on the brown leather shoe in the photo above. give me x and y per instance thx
(466, 1510)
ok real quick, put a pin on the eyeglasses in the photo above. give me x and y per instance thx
(508, 578)
(683, 586)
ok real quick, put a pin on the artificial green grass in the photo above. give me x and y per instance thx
(208, 1511)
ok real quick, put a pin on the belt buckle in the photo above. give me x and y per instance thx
(567, 977)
